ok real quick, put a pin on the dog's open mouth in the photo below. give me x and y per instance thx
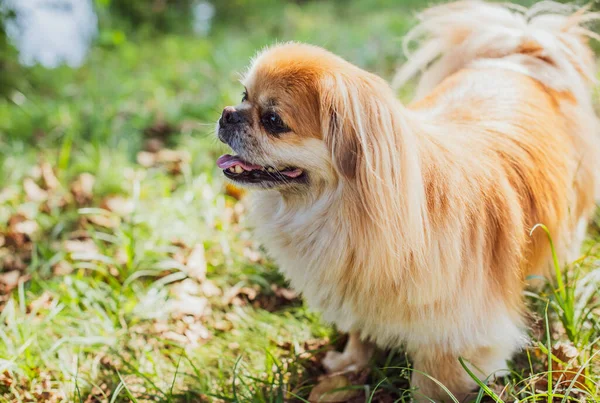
(242, 171)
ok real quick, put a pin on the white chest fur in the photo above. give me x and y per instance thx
(312, 247)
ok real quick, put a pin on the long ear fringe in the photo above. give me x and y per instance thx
(374, 149)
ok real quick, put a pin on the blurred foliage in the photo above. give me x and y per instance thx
(9, 66)
(148, 17)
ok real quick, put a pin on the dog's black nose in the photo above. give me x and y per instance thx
(230, 116)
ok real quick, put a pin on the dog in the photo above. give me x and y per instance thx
(412, 225)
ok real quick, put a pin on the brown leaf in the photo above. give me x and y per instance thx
(80, 246)
(253, 255)
(62, 268)
(187, 286)
(285, 293)
(33, 191)
(312, 349)
(19, 230)
(196, 263)
(10, 279)
(565, 352)
(223, 325)
(179, 338)
(571, 376)
(209, 289)
(43, 301)
(119, 205)
(6, 378)
(146, 159)
(167, 155)
(48, 176)
(186, 304)
(27, 227)
(196, 332)
(82, 188)
(566, 372)
(153, 145)
(103, 220)
(160, 128)
(10, 260)
(230, 295)
(325, 390)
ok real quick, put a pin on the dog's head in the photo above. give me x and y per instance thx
(307, 117)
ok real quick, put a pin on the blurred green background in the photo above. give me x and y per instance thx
(126, 269)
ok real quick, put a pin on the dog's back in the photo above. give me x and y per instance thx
(511, 141)
(515, 86)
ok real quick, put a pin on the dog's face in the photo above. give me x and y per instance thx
(275, 131)
(294, 127)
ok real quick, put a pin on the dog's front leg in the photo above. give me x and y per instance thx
(356, 356)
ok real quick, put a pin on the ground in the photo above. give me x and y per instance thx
(127, 271)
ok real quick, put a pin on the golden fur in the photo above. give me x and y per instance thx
(414, 226)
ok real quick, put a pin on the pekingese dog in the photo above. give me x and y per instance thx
(412, 225)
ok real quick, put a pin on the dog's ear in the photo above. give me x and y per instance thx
(339, 113)
(356, 121)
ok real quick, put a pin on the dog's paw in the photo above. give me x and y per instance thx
(335, 362)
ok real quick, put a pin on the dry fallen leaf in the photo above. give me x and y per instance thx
(568, 371)
(167, 155)
(179, 338)
(209, 289)
(153, 145)
(103, 220)
(172, 160)
(195, 266)
(223, 325)
(43, 301)
(565, 352)
(27, 227)
(6, 378)
(119, 205)
(33, 191)
(326, 390)
(48, 176)
(62, 268)
(285, 293)
(146, 159)
(253, 255)
(10, 279)
(82, 188)
(160, 128)
(230, 296)
(14, 261)
(196, 333)
(15, 238)
(80, 246)
(186, 304)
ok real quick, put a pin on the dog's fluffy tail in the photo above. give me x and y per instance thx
(547, 41)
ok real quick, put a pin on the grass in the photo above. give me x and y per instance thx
(137, 278)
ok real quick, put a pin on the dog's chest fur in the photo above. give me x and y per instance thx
(307, 243)
(313, 250)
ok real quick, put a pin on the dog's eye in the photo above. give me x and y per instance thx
(245, 96)
(273, 124)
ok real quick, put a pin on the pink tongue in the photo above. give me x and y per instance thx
(227, 161)
(292, 174)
